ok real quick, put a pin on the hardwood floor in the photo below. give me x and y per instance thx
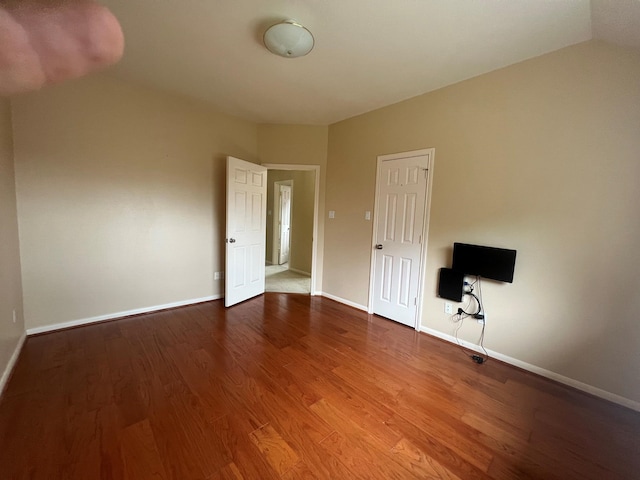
(293, 387)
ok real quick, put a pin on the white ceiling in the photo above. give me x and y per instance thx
(368, 53)
(617, 21)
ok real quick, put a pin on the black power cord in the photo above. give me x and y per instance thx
(474, 315)
(484, 324)
(478, 315)
(478, 359)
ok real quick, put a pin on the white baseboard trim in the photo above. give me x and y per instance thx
(12, 362)
(598, 392)
(301, 272)
(343, 300)
(113, 316)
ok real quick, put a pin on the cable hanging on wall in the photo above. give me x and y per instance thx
(478, 315)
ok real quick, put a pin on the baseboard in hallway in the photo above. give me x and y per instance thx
(282, 279)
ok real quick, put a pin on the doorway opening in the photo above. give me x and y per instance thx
(292, 218)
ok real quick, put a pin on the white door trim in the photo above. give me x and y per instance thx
(430, 152)
(316, 208)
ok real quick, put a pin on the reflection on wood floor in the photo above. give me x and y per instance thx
(293, 387)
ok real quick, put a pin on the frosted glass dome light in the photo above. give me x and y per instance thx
(288, 39)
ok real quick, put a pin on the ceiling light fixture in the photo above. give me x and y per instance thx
(288, 39)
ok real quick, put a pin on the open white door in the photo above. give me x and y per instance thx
(284, 215)
(245, 243)
(401, 203)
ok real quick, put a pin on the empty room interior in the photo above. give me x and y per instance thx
(136, 336)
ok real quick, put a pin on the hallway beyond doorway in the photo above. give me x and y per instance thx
(278, 278)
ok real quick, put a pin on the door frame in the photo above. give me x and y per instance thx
(275, 255)
(316, 208)
(430, 152)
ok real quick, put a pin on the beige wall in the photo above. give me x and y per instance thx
(303, 196)
(10, 282)
(121, 202)
(299, 145)
(120, 198)
(542, 157)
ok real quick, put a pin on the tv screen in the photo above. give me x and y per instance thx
(487, 262)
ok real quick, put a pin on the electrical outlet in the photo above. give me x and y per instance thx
(217, 275)
(367, 215)
(448, 308)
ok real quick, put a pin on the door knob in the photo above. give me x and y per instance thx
(231, 240)
(379, 246)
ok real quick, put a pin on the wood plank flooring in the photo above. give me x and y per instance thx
(293, 387)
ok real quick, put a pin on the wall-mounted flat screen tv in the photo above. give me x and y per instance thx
(487, 262)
